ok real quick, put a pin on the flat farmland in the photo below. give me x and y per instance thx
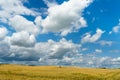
(20, 72)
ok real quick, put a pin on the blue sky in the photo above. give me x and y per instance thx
(81, 33)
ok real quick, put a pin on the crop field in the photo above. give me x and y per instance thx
(19, 72)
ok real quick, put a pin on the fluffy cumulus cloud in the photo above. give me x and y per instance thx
(66, 17)
(22, 46)
(83, 60)
(4, 49)
(51, 52)
(3, 32)
(50, 3)
(57, 21)
(41, 51)
(18, 53)
(9, 8)
(23, 38)
(19, 23)
(92, 38)
(56, 50)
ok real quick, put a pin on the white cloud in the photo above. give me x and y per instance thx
(91, 61)
(65, 18)
(4, 49)
(21, 48)
(38, 21)
(50, 3)
(57, 50)
(10, 8)
(98, 51)
(115, 29)
(103, 42)
(3, 32)
(92, 38)
(19, 53)
(20, 23)
(116, 59)
(110, 62)
(62, 52)
(23, 38)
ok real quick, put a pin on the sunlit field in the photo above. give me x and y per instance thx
(19, 72)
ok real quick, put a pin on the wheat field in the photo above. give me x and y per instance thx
(19, 72)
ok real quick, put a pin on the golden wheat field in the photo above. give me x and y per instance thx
(19, 72)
